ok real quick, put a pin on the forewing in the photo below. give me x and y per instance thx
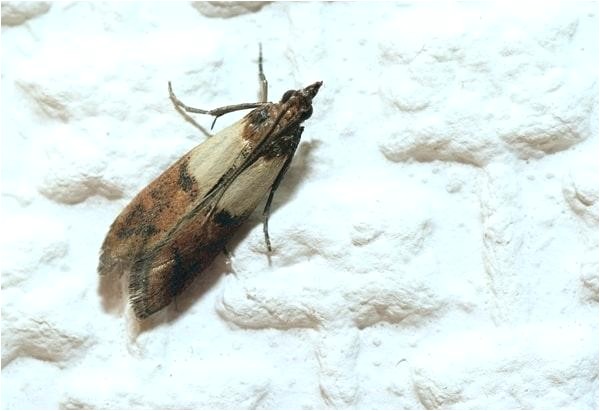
(166, 269)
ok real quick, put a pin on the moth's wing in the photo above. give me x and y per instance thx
(173, 229)
(147, 218)
(160, 206)
(165, 270)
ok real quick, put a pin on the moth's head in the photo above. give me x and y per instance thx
(302, 98)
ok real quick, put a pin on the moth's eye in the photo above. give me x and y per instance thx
(286, 96)
(306, 115)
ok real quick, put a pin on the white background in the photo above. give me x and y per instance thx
(435, 241)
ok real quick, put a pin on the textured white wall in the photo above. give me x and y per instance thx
(435, 240)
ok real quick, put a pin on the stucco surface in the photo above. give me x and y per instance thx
(435, 241)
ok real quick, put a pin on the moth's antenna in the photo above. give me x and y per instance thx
(262, 80)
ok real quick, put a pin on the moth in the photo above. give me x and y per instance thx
(175, 227)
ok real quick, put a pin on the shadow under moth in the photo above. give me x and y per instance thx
(175, 227)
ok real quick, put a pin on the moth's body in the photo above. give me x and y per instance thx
(173, 229)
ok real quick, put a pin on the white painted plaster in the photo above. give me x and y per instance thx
(435, 241)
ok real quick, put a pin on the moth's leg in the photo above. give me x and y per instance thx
(290, 149)
(217, 112)
(262, 80)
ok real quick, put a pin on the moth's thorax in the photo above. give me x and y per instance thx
(260, 120)
(283, 118)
